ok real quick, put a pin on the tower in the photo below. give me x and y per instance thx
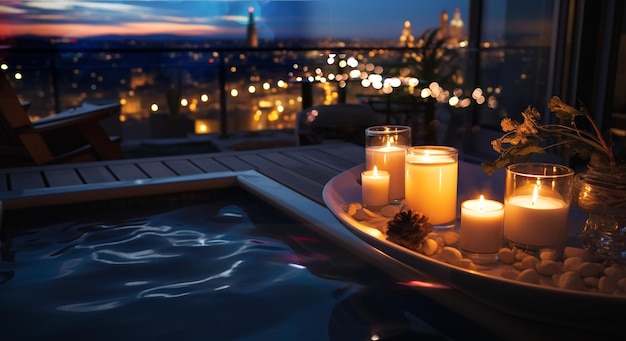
(253, 39)
(407, 39)
(444, 27)
(456, 27)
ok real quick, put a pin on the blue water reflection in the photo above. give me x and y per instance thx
(227, 268)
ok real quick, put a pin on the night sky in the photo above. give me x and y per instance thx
(338, 19)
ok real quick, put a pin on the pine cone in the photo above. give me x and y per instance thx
(408, 229)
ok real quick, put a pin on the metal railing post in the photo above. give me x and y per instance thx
(222, 86)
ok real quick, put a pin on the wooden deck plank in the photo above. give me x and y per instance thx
(26, 180)
(283, 159)
(183, 167)
(307, 187)
(62, 177)
(233, 162)
(330, 160)
(4, 185)
(96, 174)
(303, 166)
(127, 171)
(351, 152)
(155, 169)
(305, 169)
(208, 164)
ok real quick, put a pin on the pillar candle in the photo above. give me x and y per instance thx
(375, 187)
(389, 158)
(431, 185)
(481, 225)
(536, 220)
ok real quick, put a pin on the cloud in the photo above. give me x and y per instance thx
(11, 10)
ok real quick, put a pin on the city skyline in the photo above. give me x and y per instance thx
(222, 19)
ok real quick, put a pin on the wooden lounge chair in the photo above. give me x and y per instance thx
(75, 135)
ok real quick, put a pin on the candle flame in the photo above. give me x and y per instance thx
(535, 194)
(375, 173)
(391, 141)
(481, 202)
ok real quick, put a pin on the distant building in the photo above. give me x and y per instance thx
(456, 28)
(407, 39)
(444, 26)
(453, 29)
(253, 38)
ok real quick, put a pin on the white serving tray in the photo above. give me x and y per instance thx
(567, 308)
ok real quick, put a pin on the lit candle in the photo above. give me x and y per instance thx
(537, 219)
(431, 183)
(481, 225)
(389, 158)
(375, 187)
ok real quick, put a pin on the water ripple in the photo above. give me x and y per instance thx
(184, 288)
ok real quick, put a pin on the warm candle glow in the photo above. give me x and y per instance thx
(536, 206)
(385, 148)
(481, 228)
(375, 187)
(432, 170)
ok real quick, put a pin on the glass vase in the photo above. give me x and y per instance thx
(601, 192)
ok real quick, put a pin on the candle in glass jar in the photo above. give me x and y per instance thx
(534, 219)
(481, 225)
(375, 187)
(431, 183)
(389, 158)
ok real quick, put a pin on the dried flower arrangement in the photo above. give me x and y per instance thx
(521, 140)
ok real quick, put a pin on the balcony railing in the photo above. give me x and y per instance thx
(200, 89)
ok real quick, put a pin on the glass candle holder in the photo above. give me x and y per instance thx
(481, 229)
(431, 183)
(385, 148)
(537, 198)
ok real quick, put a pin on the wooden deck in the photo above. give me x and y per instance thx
(304, 169)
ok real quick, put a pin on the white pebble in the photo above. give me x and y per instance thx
(608, 285)
(360, 215)
(466, 264)
(571, 280)
(439, 241)
(389, 211)
(615, 271)
(429, 246)
(451, 255)
(506, 256)
(572, 264)
(556, 278)
(352, 207)
(591, 282)
(622, 284)
(371, 213)
(509, 273)
(583, 254)
(548, 267)
(450, 238)
(548, 254)
(530, 262)
(529, 276)
(590, 269)
(519, 254)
